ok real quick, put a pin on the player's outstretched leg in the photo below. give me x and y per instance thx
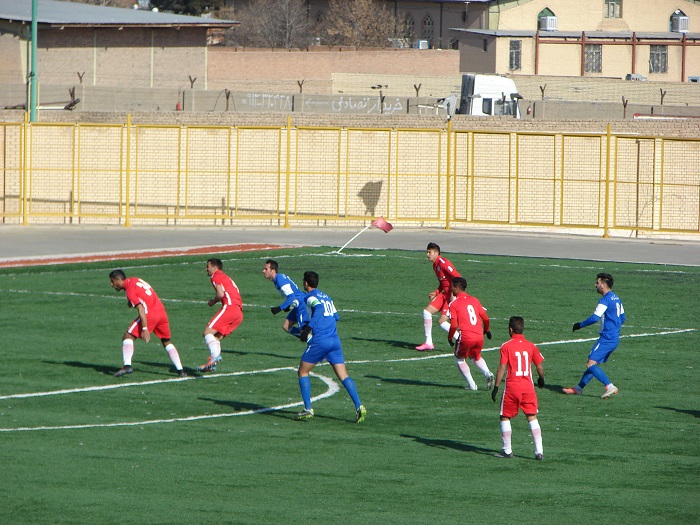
(428, 327)
(466, 373)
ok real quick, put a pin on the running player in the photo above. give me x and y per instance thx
(611, 315)
(469, 318)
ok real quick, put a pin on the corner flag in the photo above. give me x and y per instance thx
(382, 225)
(376, 223)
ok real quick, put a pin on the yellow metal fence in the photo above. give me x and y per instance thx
(126, 174)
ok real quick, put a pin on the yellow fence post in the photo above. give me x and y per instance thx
(287, 171)
(127, 174)
(606, 226)
(24, 168)
(448, 167)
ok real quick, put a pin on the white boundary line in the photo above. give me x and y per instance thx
(332, 387)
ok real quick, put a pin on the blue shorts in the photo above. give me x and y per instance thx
(601, 350)
(328, 348)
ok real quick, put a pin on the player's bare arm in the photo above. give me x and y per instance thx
(145, 333)
(218, 297)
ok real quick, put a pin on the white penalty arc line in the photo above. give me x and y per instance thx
(142, 383)
(333, 389)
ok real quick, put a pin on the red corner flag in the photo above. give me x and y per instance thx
(382, 225)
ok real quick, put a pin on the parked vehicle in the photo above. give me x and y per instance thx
(484, 95)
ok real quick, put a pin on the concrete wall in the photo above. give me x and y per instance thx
(233, 68)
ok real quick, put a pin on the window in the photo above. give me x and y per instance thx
(428, 29)
(593, 58)
(658, 59)
(516, 47)
(613, 9)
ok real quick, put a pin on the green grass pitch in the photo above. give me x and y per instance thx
(226, 448)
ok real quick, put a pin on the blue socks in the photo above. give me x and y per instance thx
(349, 385)
(305, 387)
(590, 373)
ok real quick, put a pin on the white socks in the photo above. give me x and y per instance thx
(127, 351)
(174, 356)
(506, 433)
(466, 373)
(536, 435)
(213, 344)
(481, 365)
(428, 326)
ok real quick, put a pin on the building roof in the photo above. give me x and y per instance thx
(640, 35)
(70, 14)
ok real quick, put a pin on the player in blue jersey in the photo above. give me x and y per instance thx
(611, 315)
(293, 298)
(323, 343)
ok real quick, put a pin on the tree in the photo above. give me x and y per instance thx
(273, 23)
(358, 23)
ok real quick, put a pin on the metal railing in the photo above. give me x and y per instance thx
(129, 174)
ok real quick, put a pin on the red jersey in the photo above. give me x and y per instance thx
(520, 354)
(231, 294)
(445, 272)
(139, 291)
(467, 315)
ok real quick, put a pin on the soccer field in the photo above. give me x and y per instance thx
(80, 446)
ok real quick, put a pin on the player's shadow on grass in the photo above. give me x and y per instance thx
(413, 382)
(552, 388)
(239, 406)
(694, 413)
(453, 445)
(269, 354)
(103, 369)
(390, 342)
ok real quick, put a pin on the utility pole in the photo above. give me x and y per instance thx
(33, 87)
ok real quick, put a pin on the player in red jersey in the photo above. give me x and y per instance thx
(440, 297)
(517, 357)
(469, 318)
(227, 318)
(152, 319)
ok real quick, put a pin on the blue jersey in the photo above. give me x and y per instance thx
(611, 314)
(322, 313)
(293, 297)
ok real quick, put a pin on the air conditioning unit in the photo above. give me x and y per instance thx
(548, 23)
(680, 24)
(694, 79)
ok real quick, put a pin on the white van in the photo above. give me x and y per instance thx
(487, 95)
